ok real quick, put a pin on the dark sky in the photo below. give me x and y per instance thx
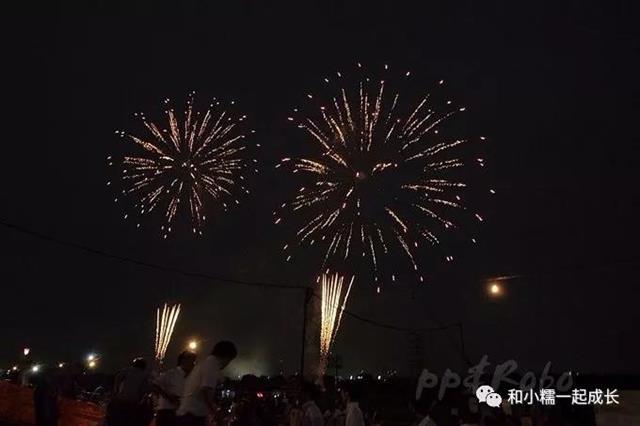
(555, 87)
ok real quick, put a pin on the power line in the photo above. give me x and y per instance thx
(138, 262)
(203, 276)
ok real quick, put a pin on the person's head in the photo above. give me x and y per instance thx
(139, 363)
(308, 391)
(186, 361)
(225, 352)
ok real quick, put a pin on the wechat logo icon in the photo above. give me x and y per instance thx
(487, 395)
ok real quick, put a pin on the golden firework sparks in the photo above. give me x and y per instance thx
(166, 319)
(179, 164)
(383, 178)
(332, 306)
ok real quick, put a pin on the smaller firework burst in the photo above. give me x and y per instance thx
(332, 306)
(166, 319)
(187, 162)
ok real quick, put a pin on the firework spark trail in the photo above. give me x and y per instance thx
(380, 182)
(165, 323)
(178, 167)
(333, 303)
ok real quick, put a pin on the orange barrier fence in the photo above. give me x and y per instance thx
(16, 407)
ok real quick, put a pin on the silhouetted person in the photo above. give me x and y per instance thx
(69, 386)
(246, 404)
(45, 399)
(170, 387)
(198, 400)
(311, 414)
(131, 386)
(351, 397)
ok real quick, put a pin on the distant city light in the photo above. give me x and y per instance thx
(61, 365)
(15, 368)
(26, 351)
(35, 368)
(193, 345)
(495, 289)
(92, 360)
(379, 377)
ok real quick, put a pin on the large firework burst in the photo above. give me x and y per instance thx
(179, 164)
(384, 178)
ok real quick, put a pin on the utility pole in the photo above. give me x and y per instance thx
(463, 350)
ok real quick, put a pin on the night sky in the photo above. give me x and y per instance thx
(554, 87)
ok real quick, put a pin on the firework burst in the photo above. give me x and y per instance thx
(165, 322)
(385, 176)
(180, 164)
(333, 302)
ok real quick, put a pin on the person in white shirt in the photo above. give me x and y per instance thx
(198, 398)
(351, 397)
(311, 414)
(169, 386)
